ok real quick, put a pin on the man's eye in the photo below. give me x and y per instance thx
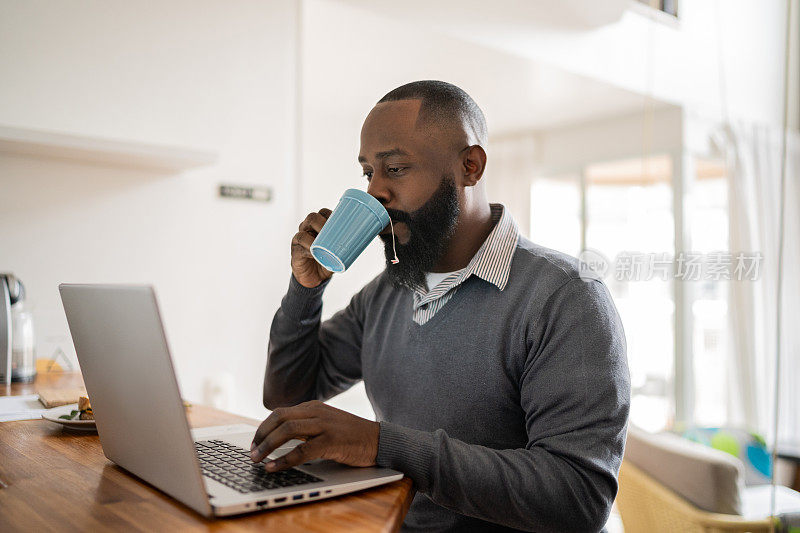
(368, 174)
(394, 170)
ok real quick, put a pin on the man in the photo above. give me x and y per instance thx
(498, 375)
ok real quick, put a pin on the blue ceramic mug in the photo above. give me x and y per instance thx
(357, 219)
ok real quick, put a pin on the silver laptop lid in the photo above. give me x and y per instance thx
(127, 369)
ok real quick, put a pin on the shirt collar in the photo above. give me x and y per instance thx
(492, 261)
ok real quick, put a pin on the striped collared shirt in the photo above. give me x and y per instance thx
(492, 262)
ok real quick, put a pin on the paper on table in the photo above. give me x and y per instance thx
(25, 407)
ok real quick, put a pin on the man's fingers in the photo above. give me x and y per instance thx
(308, 231)
(297, 428)
(302, 453)
(302, 240)
(276, 417)
(313, 223)
(279, 416)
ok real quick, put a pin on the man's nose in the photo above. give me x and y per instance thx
(378, 188)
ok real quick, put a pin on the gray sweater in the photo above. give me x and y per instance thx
(508, 409)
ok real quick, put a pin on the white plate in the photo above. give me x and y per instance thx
(77, 424)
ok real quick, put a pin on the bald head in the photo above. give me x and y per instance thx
(445, 106)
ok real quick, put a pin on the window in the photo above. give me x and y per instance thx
(708, 212)
(556, 213)
(623, 209)
(629, 216)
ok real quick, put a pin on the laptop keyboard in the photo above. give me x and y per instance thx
(232, 466)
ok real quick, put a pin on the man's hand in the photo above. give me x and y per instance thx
(329, 433)
(305, 268)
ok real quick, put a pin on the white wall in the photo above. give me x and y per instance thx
(212, 75)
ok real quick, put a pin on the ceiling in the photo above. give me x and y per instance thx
(503, 15)
(516, 93)
(536, 96)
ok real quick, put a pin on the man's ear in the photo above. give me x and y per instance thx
(473, 163)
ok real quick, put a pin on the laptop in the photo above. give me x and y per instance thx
(141, 421)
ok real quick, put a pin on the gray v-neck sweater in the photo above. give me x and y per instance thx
(507, 409)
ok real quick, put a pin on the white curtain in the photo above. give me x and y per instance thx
(754, 167)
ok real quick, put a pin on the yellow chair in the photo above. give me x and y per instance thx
(647, 506)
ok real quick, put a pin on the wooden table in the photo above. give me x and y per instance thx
(51, 479)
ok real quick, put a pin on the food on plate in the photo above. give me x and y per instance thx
(84, 410)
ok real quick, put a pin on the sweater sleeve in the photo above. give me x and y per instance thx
(575, 393)
(309, 359)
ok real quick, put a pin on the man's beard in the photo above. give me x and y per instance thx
(430, 229)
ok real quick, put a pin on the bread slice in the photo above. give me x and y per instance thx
(85, 408)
